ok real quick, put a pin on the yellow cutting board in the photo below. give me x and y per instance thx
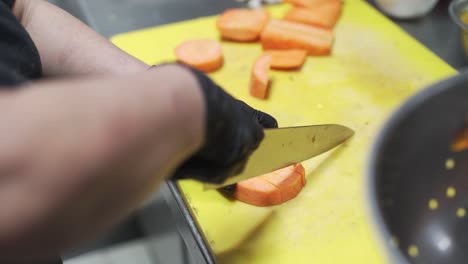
(374, 67)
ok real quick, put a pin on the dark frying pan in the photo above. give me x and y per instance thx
(418, 184)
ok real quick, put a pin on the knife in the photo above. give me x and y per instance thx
(282, 147)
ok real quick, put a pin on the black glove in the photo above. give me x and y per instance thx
(233, 131)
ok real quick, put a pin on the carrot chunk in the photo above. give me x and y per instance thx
(242, 24)
(203, 54)
(272, 188)
(287, 59)
(325, 15)
(290, 35)
(289, 181)
(257, 191)
(310, 3)
(259, 81)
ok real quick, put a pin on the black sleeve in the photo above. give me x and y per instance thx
(19, 58)
(9, 3)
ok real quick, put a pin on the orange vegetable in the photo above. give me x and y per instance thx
(280, 34)
(272, 188)
(287, 59)
(460, 144)
(325, 15)
(309, 3)
(461, 141)
(259, 79)
(203, 54)
(242, 24)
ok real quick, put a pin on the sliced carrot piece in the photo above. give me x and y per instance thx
(283, 177)
(309, 3)
(290, 35)
(259, 79)
(203, 54)
(287, 59)
(257, 191)
(242, 24)
(325, 15)
(289, 181)
(272, 188)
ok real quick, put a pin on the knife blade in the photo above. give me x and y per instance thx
(282, 147)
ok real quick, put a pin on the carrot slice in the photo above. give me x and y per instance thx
(290, 35)
(309, 3)
(287, 59)
(257, 191)
(259, 79)
(242, 24)
(289, 181)
(272, 188)
(203, 54)
(325, 15)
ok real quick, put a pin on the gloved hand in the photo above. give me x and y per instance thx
(233, 130)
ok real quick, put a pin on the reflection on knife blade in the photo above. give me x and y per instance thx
(283, 147)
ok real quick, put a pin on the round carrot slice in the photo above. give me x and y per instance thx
(203, 54)
(242, 24)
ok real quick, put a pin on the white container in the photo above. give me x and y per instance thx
(406, 8)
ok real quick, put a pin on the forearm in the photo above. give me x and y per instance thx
(68, 46)
(75, 161)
